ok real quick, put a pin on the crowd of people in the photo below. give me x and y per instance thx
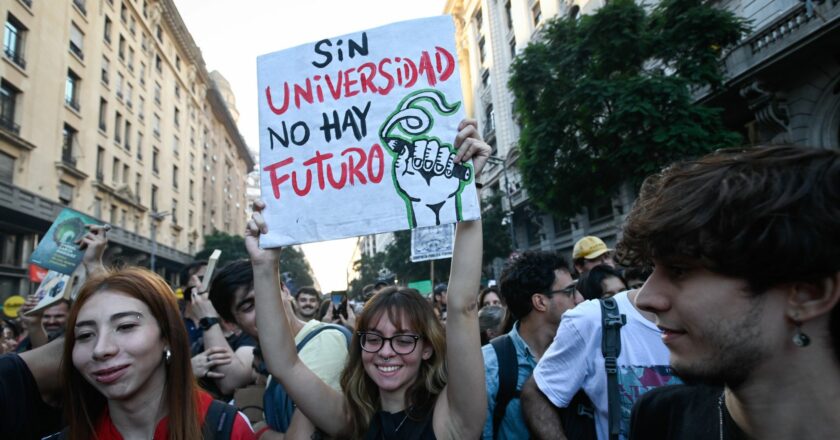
(715, 317)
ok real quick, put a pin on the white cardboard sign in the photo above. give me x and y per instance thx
(356, 134)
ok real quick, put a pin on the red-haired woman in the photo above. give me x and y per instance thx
(126, 364)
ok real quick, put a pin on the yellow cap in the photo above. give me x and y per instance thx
(589, 247)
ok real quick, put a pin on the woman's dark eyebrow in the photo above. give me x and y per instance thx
(114, 317)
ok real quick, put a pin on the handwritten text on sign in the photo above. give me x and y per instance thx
(356, 134)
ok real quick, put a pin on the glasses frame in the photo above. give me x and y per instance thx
(570, 291)
(363, 335)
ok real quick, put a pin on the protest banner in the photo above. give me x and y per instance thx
(432, 243)
(356, 134)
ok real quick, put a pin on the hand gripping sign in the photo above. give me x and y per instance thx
(425, 174)
(356, 134)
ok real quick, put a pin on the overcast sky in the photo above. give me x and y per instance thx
(232, 33)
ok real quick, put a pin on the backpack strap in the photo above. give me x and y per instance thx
(612, 321)
(347, 335)
(218, 422)
(508, 374)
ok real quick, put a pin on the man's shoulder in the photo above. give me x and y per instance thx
(326, 334)
(680, 398)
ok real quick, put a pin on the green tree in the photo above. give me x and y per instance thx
(607, 99)
(497, 241)
(232, 247)
(368, 269)
(398, 260)
(295, 266)
(292, 260)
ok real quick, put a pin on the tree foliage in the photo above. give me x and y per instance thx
(607, 99)
(292, 260)
(497, 241)
(232, 247)
(368, 269)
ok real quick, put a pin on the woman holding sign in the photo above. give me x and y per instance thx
(126, 366)
(400, 380)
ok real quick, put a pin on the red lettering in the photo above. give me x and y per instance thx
(410, 73)
(281, 110)
(426, 68)
(356, 169)
(335, 91)
(367, 80)
(375, 154)
(306, 93)
(390, 85)
(349, 83)
(450, 63)
(277, 181)
(340, 183)
(318, 160)
(305, 190)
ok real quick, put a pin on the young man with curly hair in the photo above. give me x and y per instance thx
(746, 249)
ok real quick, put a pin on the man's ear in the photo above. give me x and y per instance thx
(539, 302)
(807, 301)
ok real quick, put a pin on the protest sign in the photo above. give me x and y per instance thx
(58, 249)
(432, 243)
(356, 134)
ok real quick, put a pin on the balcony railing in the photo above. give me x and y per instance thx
(77, 51)
(8, 123)
(16, 56)
(67, 157)
(81, 5)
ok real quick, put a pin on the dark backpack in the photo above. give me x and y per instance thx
(218, 422)
(277, 405)
(578, 418)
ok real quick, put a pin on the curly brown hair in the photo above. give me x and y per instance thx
(769, 215)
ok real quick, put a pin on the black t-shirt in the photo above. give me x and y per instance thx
(683, 412)
(23, 414)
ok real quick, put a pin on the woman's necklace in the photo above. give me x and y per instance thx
(407, 411)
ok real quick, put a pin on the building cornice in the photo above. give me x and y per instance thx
(183, 38)
(220, 109)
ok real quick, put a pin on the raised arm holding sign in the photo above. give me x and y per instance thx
(355, 134)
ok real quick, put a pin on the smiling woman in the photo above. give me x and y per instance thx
(126, 364)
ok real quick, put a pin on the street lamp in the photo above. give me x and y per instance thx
(156, 217)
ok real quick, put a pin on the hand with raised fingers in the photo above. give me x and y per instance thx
(204, 362)
(256, 227)
(30, 321)
(94, 244)
(201, 305)
(470, 145)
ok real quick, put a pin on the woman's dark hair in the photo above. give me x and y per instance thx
(488, 290)
(12, 326)
(589, 284)
(767, 215)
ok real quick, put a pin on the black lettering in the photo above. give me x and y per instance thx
(326, 54)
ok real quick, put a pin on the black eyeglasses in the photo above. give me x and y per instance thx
(569, 291)
(401, 344)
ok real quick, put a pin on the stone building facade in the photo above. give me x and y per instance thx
(783, 85)
(107, 107)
